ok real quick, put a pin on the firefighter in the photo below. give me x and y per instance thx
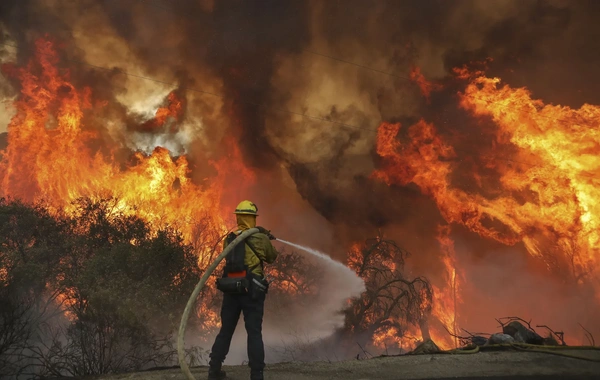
(244, 290)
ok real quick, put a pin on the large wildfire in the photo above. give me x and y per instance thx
(51, 155)
(493, 190)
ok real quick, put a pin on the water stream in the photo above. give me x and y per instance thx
(352, 283)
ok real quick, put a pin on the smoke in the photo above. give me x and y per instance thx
(287, 333)
(302, 87)
(339, 284)
(257, 63)
(504, 283)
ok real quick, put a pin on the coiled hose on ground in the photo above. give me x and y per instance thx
(553, 350)
(190, 305)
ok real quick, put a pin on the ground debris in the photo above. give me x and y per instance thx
(501, 339)
(521, 333)
(478, 340)
(426, 347)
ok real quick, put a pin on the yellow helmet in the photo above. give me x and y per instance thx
(246, 208)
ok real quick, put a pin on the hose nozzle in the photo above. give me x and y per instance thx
(266, 232)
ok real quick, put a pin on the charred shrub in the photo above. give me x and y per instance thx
(392, 302)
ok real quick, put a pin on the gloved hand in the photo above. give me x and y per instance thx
(263, 230)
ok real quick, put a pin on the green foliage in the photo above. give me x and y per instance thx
(29, 256)
(116, 262)
(30, 241)
(122, 284)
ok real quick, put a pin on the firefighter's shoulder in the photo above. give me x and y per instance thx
(258, 237)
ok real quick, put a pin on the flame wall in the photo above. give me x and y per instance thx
(465, 152)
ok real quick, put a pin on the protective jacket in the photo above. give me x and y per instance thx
(263, 249)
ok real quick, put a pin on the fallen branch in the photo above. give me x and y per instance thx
(512, 319)
(476, 334)
(364, 351)
(588, 335)
(559, 334)
(463, 340)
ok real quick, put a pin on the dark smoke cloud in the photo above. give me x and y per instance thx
(531, 43)
(260, 58)
(238, 47)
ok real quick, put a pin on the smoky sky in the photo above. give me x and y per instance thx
(266, 58)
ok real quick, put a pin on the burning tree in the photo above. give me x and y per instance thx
(292, 274)
(108, 254)
(57, 151)
(393, 304)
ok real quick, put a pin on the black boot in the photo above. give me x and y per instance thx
(256, 375)
(215, 373)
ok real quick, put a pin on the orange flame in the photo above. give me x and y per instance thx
(426, 86)
(49, 155)
(53, 155)
(174, 109)
(446, 299)
(557, 162)
(467, 71)
(547, 164)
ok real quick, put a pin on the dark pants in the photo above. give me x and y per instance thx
(253, 310)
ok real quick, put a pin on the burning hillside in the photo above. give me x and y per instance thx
(477, 153)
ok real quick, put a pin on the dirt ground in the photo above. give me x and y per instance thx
(496, 364)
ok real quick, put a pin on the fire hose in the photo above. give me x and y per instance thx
(188, 308)
(544, 349)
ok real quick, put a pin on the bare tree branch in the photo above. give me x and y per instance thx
(588, 335)
(559, 334)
